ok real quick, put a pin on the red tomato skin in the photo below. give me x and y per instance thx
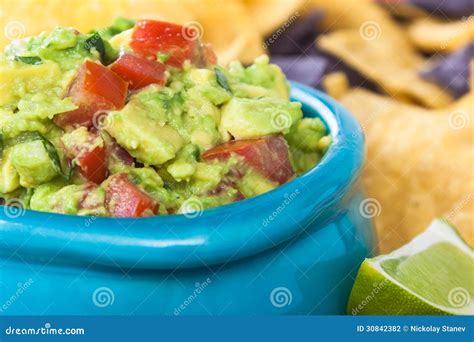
(125, 199)
(95, 89)
(139, 72)
(150, 37)
(93, 164)
(268, 156)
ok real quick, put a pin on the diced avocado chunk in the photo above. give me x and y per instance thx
(255, 118)
(41, 197)
(308, 142)
(205, 83)
(71, 199)
(42, 106)
(19, 79)
(141, 127)
(302, 161)
(306, 134)
(9, 179)
(259, 79)
(146, 177)
(253, 184)
(181, 169)
(33, 163)
(197, 76)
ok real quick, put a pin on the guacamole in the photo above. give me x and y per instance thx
(139, 119)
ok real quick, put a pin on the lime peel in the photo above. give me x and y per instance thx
(431, 275)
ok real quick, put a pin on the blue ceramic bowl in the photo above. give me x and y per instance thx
(294, 250)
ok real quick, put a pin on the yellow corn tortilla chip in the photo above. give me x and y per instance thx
(431, 35)
(419, 164)
(388, 61)
(228, 27)
(21, 18)
(280, 11)
(351, 14)
(336, 84)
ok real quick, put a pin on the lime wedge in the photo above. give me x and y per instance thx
(431, 275)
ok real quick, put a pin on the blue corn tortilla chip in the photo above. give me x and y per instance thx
(452, 72)
(310, 69)
(446, 8)
(295, 51)
(297, 38)
(305, 69)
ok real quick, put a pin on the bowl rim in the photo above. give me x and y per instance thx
(29, 237)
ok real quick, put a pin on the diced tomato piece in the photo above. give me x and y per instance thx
(268, 156)
(139, 72)
(95, 89)
(90, 155)
(125, 199)
(93, 164)
(150, 37)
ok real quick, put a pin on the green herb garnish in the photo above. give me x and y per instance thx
(221, 79)
(32, 60)
(106, 52)
(95, 41)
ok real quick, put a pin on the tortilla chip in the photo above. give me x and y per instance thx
(419, 164)
(351, 14)
(452, 72)
(387, 60)
(22, 18)
(403, 10)
(336, 84)
(228, 27)
(431, 35)
(281, 13)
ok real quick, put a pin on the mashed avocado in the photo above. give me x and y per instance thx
(144, 125)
